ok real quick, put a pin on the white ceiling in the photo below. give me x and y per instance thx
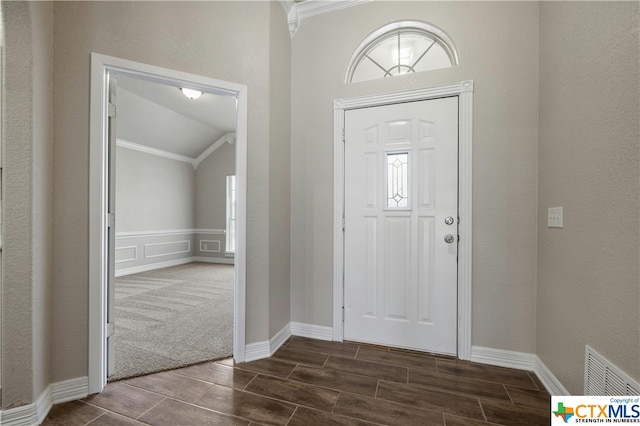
(161, 117)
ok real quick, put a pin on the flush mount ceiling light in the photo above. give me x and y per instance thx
(190, 93)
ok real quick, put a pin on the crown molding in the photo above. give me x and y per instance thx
(229, 138)
(154, 151)
(296, 12)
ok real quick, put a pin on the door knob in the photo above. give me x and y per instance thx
(449, 238)
(449, 220)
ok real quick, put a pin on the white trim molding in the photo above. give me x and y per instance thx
(503, 358)
(147, 248)
(153, 266)
(311, 331)
(548, 379)
(153, 151)
(166, 233)
(296, 12)
(229, 138)
(266, 348)
(36, 412)
(464, 91)
(520, 361)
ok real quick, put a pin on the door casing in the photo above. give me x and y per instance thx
(101, 65)
(464, 91)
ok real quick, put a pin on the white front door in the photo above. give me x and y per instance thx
(401, 215)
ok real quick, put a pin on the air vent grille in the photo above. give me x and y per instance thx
(601, 377)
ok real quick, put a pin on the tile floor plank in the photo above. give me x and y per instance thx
(529, 397)
(172, 412)
(111, 419)
(74, 413)
(249, 406)
(299, 356)
(219, 374)
(124, 399)
(294, 392)
(308, 417)
(171, 385)
(400, 359)
(510, 414)
(346, 350)
(270, 366)
(489, 373)
(430, 399)
(458, 384)
(385, 412)
(336, 380)
(367, 368)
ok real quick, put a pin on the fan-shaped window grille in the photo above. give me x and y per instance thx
(401, 48)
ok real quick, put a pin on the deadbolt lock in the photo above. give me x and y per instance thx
(449, 220)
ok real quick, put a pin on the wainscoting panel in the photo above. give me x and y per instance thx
(147, 250)
(210, 244)
(166, 249)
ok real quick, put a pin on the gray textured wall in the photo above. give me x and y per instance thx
(588, 277)
(27, 201)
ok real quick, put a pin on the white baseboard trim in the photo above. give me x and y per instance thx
(503, 358)
(255, 351)
(152, 266)
(311, 331)
(519, 361)
(159, 265)
(549, 380)
(266, 348)
(223, 260)
(56, 393)
(70, 390)
(279, 338)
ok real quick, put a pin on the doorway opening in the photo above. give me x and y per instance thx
(464, 91)
(173, 267)
(177, 238)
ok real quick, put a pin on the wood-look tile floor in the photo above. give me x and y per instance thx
(312, 382)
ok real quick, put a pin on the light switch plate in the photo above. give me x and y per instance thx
(554, 219)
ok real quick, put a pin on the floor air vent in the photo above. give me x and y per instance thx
(603, 378)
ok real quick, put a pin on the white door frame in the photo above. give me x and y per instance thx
(101, 65)
(464, 91)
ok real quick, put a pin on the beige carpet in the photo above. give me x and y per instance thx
(172, 317)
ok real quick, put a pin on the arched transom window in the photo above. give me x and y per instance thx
(401, 48)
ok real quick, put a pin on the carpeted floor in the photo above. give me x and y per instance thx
(172, 317)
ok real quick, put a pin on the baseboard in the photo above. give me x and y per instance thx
(311, 331)
(153, 266)
(266, 348)
(70, 390)
(519, 361)
(503, 358)
(223, 260)
(56, 393)
(549, 380)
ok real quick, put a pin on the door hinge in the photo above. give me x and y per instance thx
(111, 220)
(110, 329)
(343, 137)
(112, 110)
(343, 222)
(343, 314)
